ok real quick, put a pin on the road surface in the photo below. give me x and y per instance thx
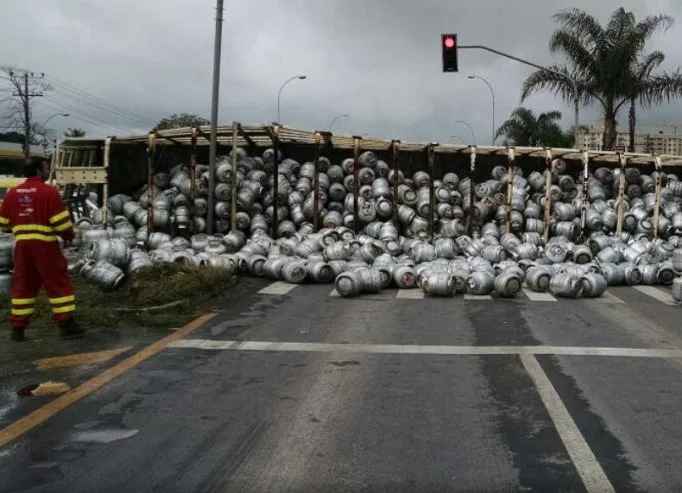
(294, 389)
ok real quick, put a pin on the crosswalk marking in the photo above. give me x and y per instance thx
(477, 297)
(410, 294)
(278, 288)
(534, 296)
(607, 297)
(656, 294)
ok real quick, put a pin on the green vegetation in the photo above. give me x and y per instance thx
(609, 65)
(523, 128)
(180, 120)
(158, 285)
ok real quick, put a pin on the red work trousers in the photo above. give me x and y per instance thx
(40, 263)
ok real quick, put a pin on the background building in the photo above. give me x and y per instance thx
(659, 139)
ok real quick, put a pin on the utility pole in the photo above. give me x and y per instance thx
(24, 93)
(213, 151)
(27, 119)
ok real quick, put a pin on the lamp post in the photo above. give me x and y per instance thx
(343, 115)
(65, 115)
(458, 137)
(279, 94)
(492, 93)
(473, 135)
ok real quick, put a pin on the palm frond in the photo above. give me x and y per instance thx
(572, 45)
(579, 21)
(661, 88)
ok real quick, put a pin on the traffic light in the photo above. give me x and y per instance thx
(449, 46)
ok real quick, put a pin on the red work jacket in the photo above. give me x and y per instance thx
(35, 211)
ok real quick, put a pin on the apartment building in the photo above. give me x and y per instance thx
(659, 139)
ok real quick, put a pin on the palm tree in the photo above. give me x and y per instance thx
(523, 128)
(608, 65)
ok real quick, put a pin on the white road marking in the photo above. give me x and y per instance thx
(410, 294)
(607, 297)
(210, 344)
(334, 294)
(535, 296)
(278, 288)
(656, 294)
(585, 462)
(468, 296)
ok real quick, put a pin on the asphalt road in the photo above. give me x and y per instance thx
(378, 394)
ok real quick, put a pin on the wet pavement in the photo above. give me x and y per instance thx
(377, 393)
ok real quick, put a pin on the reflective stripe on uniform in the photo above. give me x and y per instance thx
(4, 220)
(32, 227)
(63, 299)
(23, 301)
(58, 217)
(63, 309)
(64, 226)
(35, 236)
(22, 311)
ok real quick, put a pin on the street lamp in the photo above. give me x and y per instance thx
(474, 76)
(65, 115)
(279, 94)
(344, 115)
(458, 137)
(473, 135)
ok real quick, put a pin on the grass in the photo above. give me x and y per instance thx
(159, 284)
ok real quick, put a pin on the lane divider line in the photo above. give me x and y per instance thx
(15, 430)
(593, 476)
(217, 345)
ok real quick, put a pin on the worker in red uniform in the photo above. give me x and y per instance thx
(34, 212)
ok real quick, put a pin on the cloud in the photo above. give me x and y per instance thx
(377, 60)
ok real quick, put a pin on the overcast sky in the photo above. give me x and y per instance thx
(377, 60)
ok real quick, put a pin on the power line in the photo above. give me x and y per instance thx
(97, 101)
(100, 108)
(85, 112)
(82, 118)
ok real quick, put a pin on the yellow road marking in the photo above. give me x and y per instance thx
(39, 416)
(78, 359)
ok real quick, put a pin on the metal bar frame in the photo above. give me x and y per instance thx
(511, 156)
(356, 183)
(585, 202)
(431, 157)
(316, 183)
(395, 147)
(233, 183)
(105, 186)
(621, 193)
(193, 178)
(472, 169)
(548, 193)
(151, 166)
(275, 179)
(659, 184)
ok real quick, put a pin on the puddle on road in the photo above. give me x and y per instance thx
(103, 435)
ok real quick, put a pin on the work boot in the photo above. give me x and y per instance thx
(18, 335)
(71, 330)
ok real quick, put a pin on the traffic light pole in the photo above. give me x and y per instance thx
(576, 101)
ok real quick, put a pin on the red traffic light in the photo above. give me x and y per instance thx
(449, 42)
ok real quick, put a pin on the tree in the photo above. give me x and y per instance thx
(607, 64)
(15, 108)
(181, 120)
(523, 128)
(74, 132)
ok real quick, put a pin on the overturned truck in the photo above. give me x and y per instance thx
(368, 214)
